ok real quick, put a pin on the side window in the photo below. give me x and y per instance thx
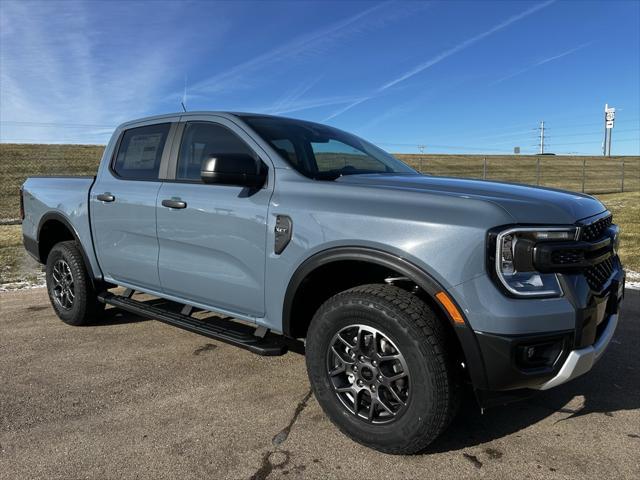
(287, 150)
(202, 140)
(335, 155)
(140, 152)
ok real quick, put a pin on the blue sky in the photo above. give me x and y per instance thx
(468, 77)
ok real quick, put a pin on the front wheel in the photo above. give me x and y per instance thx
(69, 286)
(379, 366)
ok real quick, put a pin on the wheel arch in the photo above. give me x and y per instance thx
(384, 261)
(53, 228)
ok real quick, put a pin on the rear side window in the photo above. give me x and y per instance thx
(202, 140)
(140, 152)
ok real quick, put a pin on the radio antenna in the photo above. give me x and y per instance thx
(184, 96)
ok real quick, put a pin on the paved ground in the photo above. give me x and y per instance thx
(138, 399)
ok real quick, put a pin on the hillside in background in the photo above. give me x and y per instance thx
(597, 174)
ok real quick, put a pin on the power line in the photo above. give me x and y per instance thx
(597, 141)
(623, 119)
(595, 133)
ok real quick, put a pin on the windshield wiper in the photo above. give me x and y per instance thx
(343, 172)
(328, 175)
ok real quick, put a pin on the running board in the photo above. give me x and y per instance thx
(227, 331)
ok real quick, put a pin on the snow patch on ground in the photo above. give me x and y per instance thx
(633, 280)
(24, 285)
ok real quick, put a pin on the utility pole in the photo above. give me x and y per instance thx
(542, 137)
(606, 133)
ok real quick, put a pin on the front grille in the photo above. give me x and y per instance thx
(595, 230)
(597, 275)
(567, 257)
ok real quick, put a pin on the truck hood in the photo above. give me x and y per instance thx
(526, 204)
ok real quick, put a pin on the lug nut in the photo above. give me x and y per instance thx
(361, 358)
(374, 363)
(380, 377)
(360, 383)
(373, 388)
(355, 368)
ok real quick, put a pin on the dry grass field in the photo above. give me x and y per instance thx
(626, 213)
(17, 266)
(18, 161)
(601, 177)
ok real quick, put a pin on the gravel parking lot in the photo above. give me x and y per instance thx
(138, 399)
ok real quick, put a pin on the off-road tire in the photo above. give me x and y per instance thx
(425, 344)
(85, 308)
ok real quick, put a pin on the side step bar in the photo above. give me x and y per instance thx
(234, 333)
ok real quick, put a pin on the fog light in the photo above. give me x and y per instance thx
(538, 355)
(531, 352)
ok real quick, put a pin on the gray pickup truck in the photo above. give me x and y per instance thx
(403, 286)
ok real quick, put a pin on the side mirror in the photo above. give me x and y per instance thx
(233, 169)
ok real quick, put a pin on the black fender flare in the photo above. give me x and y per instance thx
(58, 217)
(424, 280)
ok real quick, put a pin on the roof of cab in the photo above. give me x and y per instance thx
(159, 118)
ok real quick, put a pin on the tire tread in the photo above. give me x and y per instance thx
(88, 307)
(421, 323)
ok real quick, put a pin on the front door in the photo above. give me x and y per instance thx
(212, 240)
(123, 208)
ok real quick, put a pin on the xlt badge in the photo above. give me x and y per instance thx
(283, 230)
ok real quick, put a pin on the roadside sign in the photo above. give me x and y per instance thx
(609, 116)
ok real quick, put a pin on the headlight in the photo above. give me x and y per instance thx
(616, 241)
(513, 260)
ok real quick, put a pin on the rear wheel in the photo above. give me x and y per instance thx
(380, 367)
(69, 286)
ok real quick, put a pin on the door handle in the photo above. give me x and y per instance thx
(106, 197)
(171, 203)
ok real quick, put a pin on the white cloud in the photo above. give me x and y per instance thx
(235, 76)
(316, 42)
(542, 62)
(443, 55)
(467, 43)
(63, 64)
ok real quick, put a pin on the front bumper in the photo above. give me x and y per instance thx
(580, 361)
(572, 332)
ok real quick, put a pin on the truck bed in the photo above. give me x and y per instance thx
(63, 199)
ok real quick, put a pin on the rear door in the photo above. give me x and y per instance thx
(212, 251)
(123, 206)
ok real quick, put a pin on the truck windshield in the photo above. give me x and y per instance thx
(322, 152)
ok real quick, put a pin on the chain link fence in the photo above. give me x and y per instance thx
(593, 175)
(581, 174)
